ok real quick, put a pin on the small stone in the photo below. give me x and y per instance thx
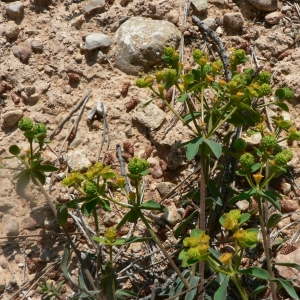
(274, 17)
(12, 30)
(253, 140)
(12, 227)
(33, 98)
(157, 172)
(15, 10)
(286, 8)
(243, 205)
(164, 188)
(37, 46)
(97, 40)
(286, 187)
(94, 6)
(210, 23)
(78, 57)
(22, 52)
(172, 217)
(73, 77)
(68, 89)
(136, 247)
(29, 223)
(200, 6)
(46, 255)
(219, 31)
(234, 20)
(173, 17)
(77, 160)
(109, 219)
(294, 217)
(268, 5)
(12, 117)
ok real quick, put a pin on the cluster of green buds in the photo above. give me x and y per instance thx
(238, 57)
(137, 166)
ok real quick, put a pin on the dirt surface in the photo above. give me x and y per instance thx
(59, 73)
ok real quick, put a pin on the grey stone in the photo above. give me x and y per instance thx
(12, 30)
(274, 41)
(140, 43)
(288, 272)
(22, 52)
(12, 227)
(164, 188)
(274, 17)
(94, 6)
(97, 40)
(173, 17)
(200, 5)
(234, 20)
(150, 116)
(12, 117)
(286, 8)
(77, 159)
(37, 46)
(15, 10)
(211, 23)
(253, 140)
(268, 5)
(157, 172)
(29, 223)
(243, 205)
(172, 217)
(46, 255)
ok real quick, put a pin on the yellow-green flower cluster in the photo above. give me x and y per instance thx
(90, 187)
(94, 171)
(264, 77)
(247, 238)
(282, 158)
(198, 246)
(137, 165)
(74, 179)
(144, 82)
(110, 234)
(232, 219)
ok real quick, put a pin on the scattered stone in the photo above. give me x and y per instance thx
(286, 8)
(46, 255)
(200, 6)
(73, 77)
(40, 214)
(78, 57)
(136, 247)
(97, 40)
(211, 23)
(109, 219)
(157, 172)
(29, 223)
(243, 205)
(22, 52)
(150, 116)
(37, 46)
(288, 272)
(164, 188)
(12, 117)
(68, 89)
(140, 43)
(77, 159)
(33, 98)
(15, 10)
(12, 227)
(219, 31)
(94, 6)
(268, 5)
(172, 217)
(294, 217)
(234, 20)
(173, 17)
(12, 30)
(274, 17)
(77, 22)
(253, 140)
(286, 188)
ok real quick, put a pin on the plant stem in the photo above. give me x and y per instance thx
(164, 251)
(266, 248)
(96, 221)
(239, 286)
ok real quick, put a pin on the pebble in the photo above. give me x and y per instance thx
(37, 46)
(77, 160)
(219, 31)
(12, 117)
(172, 217)
(294, 217)
(68, 89)
(286, 187)
(33, 98)
(12, 30)
(243, 205)
(211, 23)
(200, 6)
(97, 40)
(94, 6)
(268, 5)
(29, 223)
(22, 52)
(157, 172)
(12, 227)
(78, 57)
(15, 10)
(286, 8)
(234, 20)
(46, 255)
(173, 17)
(253, 140)
(274, 17)
(164, 188)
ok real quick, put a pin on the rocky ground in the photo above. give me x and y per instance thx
(52, 53)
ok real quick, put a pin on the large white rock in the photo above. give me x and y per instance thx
(140, 43)
(97, 40)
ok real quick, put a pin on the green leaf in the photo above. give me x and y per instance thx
(189, 117)
(255, 167)
(221, 292)
(65, 262)
(215, 147)
(290, 265)
(182, 97)
(88, 207)
(100, 240)
(184, 223)
(126, 293)
(152, 205)
(14, 150)
(29, 134)
(188, 78)
(62, 215)
(136, 239)
(21, 174)
(37, 175)
(255, 272)
(132, 216)
(245, 217)
(242, 196)
(197, 86)
(271, 197)
(47, 168)
(287, 286)
(273, 220)
(193, 147)
(36, 163)
(282, 105)
(193, 283)
(258, 290)
(280, 94)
